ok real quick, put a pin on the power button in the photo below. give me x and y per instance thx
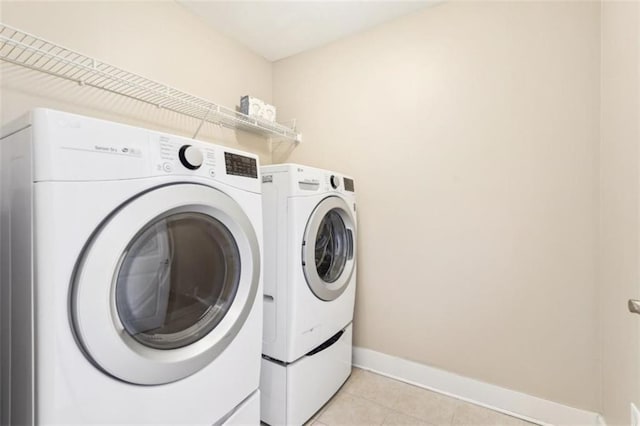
(167, 167)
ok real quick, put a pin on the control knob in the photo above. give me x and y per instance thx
(335, 181)
(190, 157)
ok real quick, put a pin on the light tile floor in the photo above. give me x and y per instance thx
(370, 399)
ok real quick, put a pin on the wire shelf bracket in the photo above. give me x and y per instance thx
(26, 50)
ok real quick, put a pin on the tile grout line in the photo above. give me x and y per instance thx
(318, 414)
(364, 399)
(456, 405)
(392, 410)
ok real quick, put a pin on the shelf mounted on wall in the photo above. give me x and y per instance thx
(27, 50)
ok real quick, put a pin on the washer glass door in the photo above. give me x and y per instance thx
(165, 284)
(328, 255)
(332, 246)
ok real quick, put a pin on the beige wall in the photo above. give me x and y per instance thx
(472, 130)
(619, 192)
(160, 40)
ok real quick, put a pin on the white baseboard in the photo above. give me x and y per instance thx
(507, 401)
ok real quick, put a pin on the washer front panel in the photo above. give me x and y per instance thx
(328, 248)
(165, 284)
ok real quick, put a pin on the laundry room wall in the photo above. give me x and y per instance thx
(159, 40)
(619, 197)
(472, 131)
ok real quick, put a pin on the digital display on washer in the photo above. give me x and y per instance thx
(240, 165)
(348, 184)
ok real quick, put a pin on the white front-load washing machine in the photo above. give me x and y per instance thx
(309, 292)
(131, 276)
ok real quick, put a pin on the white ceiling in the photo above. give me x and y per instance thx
(277, 29)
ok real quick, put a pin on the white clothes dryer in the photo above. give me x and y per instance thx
(131, 276)
(310, 282)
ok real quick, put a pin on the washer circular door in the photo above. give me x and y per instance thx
(165, 284)
(328, 249)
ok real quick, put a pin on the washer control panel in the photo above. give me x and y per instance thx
(312, 179)
(348, 185)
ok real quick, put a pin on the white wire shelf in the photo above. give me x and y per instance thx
(27, 50)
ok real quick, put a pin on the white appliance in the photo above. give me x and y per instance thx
(309, 291)
(131, 276)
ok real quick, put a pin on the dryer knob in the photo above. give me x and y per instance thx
(190, 157)
(335, 181)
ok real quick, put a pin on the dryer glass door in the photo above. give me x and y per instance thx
(328, 255)
(165, 284)
(177, 280)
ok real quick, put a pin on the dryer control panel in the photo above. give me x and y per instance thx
(241, 165)
(177, 157)
(182, 156)
(77, 148)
